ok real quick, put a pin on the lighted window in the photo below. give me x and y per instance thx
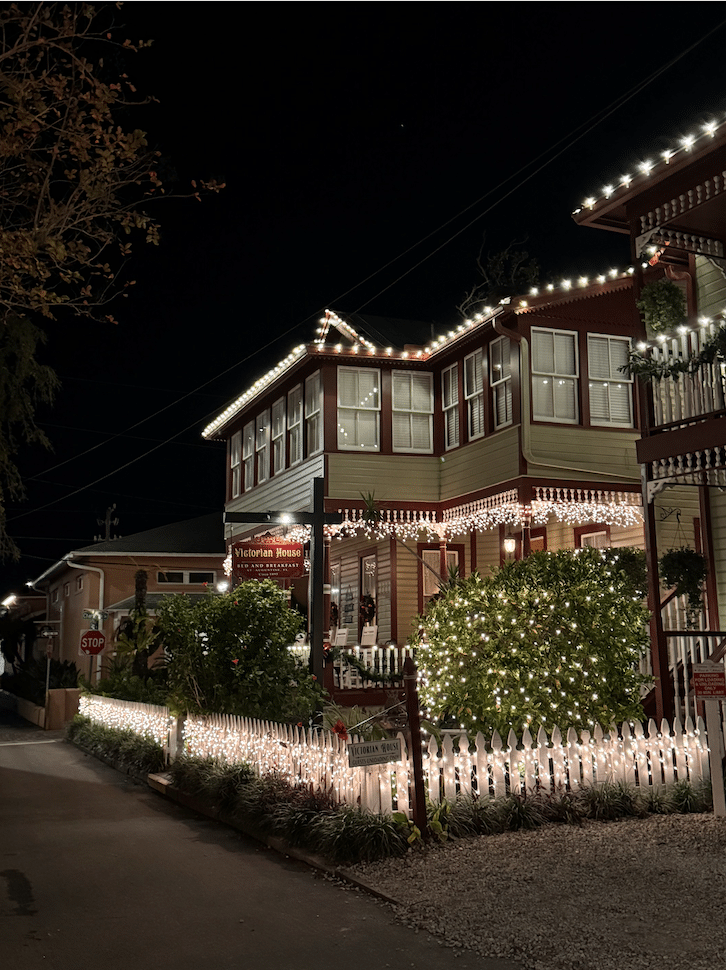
(294, 424)
(450, 405)
(611, 392)
(235, 463)
(554, 376)
(413, 408)
(278, 436)
(248, 454)
(359, 405)
(500, 380)
(314, 413)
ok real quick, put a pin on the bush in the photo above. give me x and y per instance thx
(553, 639)
(28, 681)
(229, 655)
(125, 748)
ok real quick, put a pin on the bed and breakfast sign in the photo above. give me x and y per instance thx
(267, 557)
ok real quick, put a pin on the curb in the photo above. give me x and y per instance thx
(161, 783)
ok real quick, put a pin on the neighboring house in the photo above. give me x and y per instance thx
(673, 208)
(185, 557)
(516, 428)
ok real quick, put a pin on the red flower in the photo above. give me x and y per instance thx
(340, 729)
(314, 677)
(235, 661)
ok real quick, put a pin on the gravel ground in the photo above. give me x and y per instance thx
(641, 894)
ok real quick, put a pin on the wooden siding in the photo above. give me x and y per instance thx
(710, 287)
(407, 569)
(668, 533)
(480, 464)
(291, 489)
(584, 454)
(409, 478)
(718, 533)
(348, 553)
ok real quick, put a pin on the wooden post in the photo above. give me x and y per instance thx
(418, 794)
(664, 691)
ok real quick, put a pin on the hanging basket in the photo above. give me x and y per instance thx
(685, 570)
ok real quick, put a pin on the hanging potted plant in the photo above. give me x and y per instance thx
(685, 570)
(663, 305)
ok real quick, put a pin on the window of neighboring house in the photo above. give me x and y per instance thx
(235, 463)
(611, 392)
(66, 589)
(314, 413)
(187, 577)
(248, 454)
(278, 436)
(294, 424)
(450, 405)
(413, 408)
(54, 595)
(262, 446)
(554, 376)
(474, 394)
(359, 406)
(79, 584)
(595, 536)
(500, 379)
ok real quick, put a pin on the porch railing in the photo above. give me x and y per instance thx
(680, 400)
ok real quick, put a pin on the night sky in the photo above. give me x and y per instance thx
(347, 134)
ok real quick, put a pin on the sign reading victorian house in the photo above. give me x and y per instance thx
(267, 557)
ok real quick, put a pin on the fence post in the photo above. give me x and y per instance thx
(418, 799)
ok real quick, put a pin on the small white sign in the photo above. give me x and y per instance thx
(363, 753)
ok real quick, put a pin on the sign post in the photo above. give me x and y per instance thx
(709, 683)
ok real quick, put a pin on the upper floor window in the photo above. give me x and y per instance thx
(235, 462)
(359, 406)
(79, 583)
(474, 393)
(278, 436)
(611, 395)
(500, 379)
(413, 408)
(554, 375)
(314, 413)
(54, 595)
(262, 446)
(450, 405)
(294, 424)
(248, 454)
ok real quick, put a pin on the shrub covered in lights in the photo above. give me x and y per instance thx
(228, 655)
(551, 640)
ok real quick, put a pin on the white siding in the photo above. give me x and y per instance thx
(718, 533)
(710, 287)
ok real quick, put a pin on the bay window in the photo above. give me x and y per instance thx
(474, 394)
(500, 379)
(554, 376)
(611, 392)
(450, 405)
(359, 405)
(413, 408)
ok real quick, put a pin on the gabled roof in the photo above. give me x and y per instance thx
(203, 536)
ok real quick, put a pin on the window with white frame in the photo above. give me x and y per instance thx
(193, 577)
(294, 424)
(54, 595)
(611, 391)
(262, 446)
(413, 408)
(450, 405)
(79, 583)
(500, 380)
(248, 454)
(314, 413)
(554, 375)
(235, 463)
(278, 436)
(430, 572)
(359, 406)
(474, 394)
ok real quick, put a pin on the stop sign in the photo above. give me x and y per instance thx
(92, 642)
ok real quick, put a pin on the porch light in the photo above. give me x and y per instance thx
(510, 544)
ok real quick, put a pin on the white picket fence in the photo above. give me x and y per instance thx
(486, 768)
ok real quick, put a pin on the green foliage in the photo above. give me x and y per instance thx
(124, 748)
(229, 655)
(120, 681)
(553, 639)
(663, 305)
(685, 570)
(28, 681)
(647, 367)
(346, 721)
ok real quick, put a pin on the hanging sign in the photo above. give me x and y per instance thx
(374, 752)
(267, 558)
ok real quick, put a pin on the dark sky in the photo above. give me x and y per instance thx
(346, 134)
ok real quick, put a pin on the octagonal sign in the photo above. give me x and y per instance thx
(92, 642)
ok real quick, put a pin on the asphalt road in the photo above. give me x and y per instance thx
(99, 872)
